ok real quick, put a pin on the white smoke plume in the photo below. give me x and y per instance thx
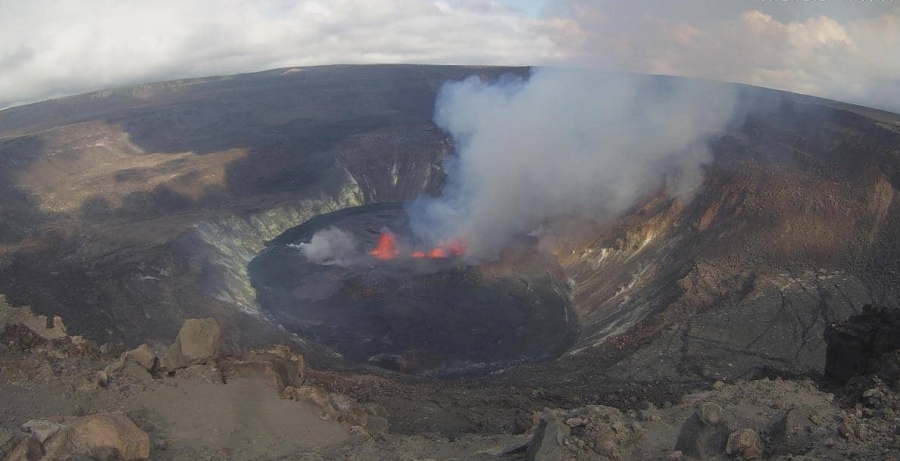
(330, 246)
(564, 142)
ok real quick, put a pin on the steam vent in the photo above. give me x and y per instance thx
(355, 281)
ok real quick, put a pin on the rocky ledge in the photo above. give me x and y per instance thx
(188, 400)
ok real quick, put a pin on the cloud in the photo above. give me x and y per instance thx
(54, 48)
(846, 59)
(843, 50)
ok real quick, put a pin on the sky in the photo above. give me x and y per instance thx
(841, 49)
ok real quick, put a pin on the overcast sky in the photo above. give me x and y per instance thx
(842, 49)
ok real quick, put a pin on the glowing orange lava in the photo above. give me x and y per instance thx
(387, 247)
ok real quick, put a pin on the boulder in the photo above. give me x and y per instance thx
(110, 430)
(790, 432)
(744, 442)
(865, 344)
(710, 413)
(36, 324)
(316, 397)
(8, 440)
(102, 378)
(277, 367)
(547, 442)
(145, 357)
(700, 439)
(28, 449)
(341, 408)
(102, 436)
(349, 411)
(198, 341)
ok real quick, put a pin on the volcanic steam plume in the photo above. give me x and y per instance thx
(563, 143)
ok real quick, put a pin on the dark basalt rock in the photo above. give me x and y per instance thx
(868, 343)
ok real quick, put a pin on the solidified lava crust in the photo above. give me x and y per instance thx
(442, 317)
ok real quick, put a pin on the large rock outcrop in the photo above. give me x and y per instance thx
(99, 436)
(198, 341)
(866, 344)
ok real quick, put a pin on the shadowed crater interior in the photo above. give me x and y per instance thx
(442, 316)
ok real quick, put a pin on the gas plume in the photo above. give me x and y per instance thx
(330, 246)
(563, 142)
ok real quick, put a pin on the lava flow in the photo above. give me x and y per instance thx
(444, 249)
(387, 249)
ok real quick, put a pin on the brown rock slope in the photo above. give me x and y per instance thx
(795, 227)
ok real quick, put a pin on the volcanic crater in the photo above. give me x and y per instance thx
(794, 226)
(392, 302)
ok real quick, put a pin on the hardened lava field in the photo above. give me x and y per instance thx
(410, 308)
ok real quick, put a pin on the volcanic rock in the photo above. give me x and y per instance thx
(791, 431)
(547, 442)
(349, 411)
(865, 344)
(277, 367)
(207, 372)
(42, 429)
(198, 341)
(27, 449)
(26, 320)
(316, 397)
(8, 440)
(101, 378)
(744, 442)
(710, 413)
(795, 226)
(145, 357)
(110, 430)
(700, 439)
(377, 425)
(97, 435)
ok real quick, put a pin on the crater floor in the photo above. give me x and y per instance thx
(444, 317)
